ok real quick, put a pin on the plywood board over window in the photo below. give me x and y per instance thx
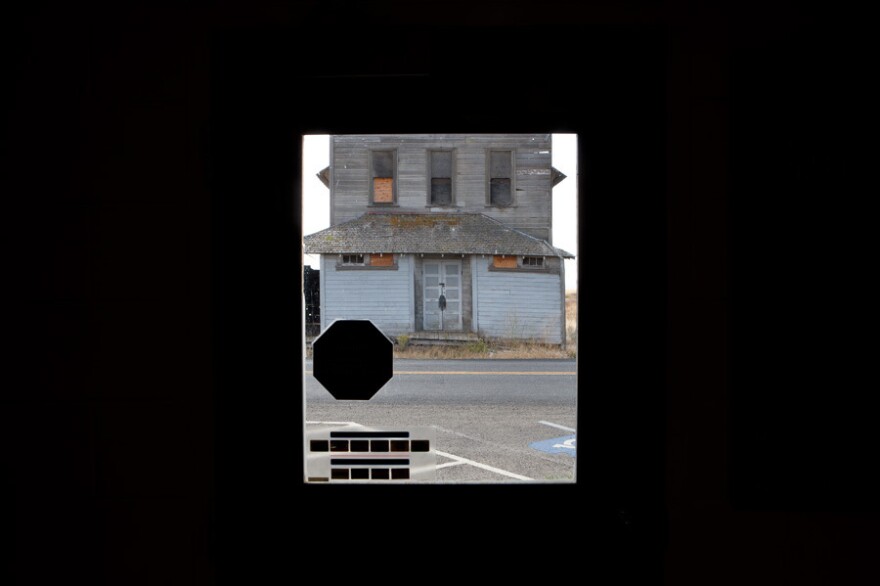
(383, 172)
(504, 262)
(385, 260)
(383, 190)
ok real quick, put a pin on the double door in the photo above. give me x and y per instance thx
(441, 278)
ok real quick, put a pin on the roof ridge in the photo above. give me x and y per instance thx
(499, 222)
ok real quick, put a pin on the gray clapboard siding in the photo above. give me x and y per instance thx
(382, 296)
(531, 213)
(518, 304)
(512, 138)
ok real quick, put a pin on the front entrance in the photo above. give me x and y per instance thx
(442, 277)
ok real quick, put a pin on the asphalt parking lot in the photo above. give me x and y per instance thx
(490, 420)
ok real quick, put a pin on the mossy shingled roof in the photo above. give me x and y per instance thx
(434, 233)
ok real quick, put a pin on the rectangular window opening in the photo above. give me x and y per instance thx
(383, 172)
(504, 262)
(441, 177)
(500, 178)
(353, 259)
(381, 260)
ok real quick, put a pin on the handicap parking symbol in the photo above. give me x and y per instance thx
(558, 445)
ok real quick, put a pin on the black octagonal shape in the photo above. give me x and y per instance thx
(352, 359)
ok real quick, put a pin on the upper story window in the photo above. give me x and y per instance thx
(383, 177)
(533, 261)
(500, 187)
(440, 190)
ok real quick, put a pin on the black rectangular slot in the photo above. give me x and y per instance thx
(400, 474)
(360, 473)
(420, 446)
(319, 445)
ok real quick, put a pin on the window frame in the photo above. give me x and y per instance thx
(489, 153)
(373, 177)
(348, 263)
(429, 176)
(366, 265)
(528, 265)
(521, 267)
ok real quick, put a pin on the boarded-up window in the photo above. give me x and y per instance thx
(441, 177)
(383, 176)
(383, 190)
(384, 260)
(500, 175)
(504, 262)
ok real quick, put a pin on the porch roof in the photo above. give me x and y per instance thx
(433, 233)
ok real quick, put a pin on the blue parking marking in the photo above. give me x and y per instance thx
(558, 445)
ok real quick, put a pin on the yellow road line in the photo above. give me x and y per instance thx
(495, 372)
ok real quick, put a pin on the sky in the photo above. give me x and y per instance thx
(316, 197)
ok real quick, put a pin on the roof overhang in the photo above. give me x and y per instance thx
(434, 233)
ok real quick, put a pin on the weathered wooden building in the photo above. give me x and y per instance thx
(443, 234)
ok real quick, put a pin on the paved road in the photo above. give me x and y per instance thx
(484, 414)
(470, 382)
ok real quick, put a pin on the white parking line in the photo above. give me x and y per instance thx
(557, 426)
(458, 460)
(483, 372)
(448, 464)
(483, 466)
(490, 372)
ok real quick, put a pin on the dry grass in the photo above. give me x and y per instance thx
(500, 349)
(490, 349)
(571, 322)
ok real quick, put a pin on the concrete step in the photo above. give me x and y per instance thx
(442, 338)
